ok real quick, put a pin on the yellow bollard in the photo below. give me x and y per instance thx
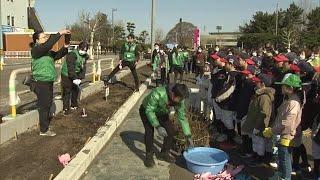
(94, 78)
(94, 72)
(13, 111)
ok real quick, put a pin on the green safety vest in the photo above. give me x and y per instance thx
(43, 69)
(179, 59)
(79, 64)
(129, 53)
(156, 104)
(156, 62)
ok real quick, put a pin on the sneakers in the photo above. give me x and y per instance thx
(306, 167)
(166, 157)
(273, 165)
(222, 138)
(48, 133)
(149, 160)
(295, 171)
(73, 107)
(66, 112)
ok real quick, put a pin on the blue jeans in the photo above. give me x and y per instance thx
(284, 162)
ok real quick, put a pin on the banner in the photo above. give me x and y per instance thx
(196, 38)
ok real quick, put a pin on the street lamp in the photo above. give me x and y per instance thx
(219, 28)
(112, 11)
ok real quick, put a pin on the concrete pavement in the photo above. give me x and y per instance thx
(123, 157)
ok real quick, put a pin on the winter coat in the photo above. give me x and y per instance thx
(224, 96)
(245, 94)
(157, 104)
(199, 58)
(287, 123)
(218, 77)
(259, 111)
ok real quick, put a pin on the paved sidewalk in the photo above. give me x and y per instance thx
(123, 157)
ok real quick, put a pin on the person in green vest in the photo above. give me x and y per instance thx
(129, 56)
(44, 73)
(178, 58)
(164, 66)
(154, 113)
(72, 72)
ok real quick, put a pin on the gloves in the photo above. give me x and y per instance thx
(76, 82)
(267, 132)
(162, 131)
(190, 143)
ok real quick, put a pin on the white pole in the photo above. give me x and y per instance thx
(153, 23)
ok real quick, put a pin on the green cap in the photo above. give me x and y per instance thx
(292, 80)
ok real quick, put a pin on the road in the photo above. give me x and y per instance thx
(29, 97)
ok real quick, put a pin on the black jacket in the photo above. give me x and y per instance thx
(218, 78)
(226, 97)
(244, 98)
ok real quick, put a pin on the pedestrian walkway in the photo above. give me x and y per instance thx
(123, 157)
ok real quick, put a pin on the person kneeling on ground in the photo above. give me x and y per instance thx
(154, 113)
(73, 70)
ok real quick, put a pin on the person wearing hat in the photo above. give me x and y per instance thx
(287, 123)
(178, 58)
(259, 115)
(218, 77)
(315, 62)
(72, 72)
(44, 73)
(226, 99)
(129, 56)
(154, 113)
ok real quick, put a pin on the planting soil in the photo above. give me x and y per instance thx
(34, 157)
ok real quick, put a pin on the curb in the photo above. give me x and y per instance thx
(76, 168)
(11, 128)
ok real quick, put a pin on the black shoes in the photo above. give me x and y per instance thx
(149, 162)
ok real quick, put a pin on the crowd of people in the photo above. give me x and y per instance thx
(260, 98)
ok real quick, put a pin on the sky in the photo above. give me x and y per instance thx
(206, 14)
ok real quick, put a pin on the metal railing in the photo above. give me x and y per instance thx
(17, 54)
(13, 95)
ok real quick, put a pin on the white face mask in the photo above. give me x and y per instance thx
(200, 50)
(217, 49)
(254, 54)
(302, 56)
(156, 47)
(82, 52)
(161, 51)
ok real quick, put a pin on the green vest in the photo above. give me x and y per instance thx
(156, 62)
(43, 69)
(79, 64)
(130, 52)
(156, 104)
(179, 59)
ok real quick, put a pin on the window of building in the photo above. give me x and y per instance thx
(12, 21)
(8, 20)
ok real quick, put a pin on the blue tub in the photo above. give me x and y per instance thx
(204, 159)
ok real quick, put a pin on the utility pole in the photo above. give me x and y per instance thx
(1, 43)
(277, 16)
(112, 11)
(153, 23)
(180, 31)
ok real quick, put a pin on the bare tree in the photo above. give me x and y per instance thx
(289, 37)
(92, 24)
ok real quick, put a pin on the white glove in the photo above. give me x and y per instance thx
(76, 82)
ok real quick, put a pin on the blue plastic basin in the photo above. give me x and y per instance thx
(204, 159)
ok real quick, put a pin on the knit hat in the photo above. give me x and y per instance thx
(292, 80)
(266, 79)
